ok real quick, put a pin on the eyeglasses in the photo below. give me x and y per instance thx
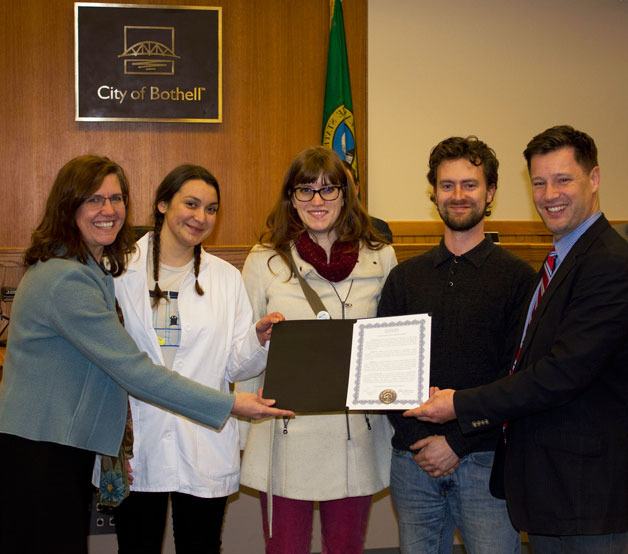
(97, 201)
(306, 194)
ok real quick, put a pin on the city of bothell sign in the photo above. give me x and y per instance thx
(138, 63)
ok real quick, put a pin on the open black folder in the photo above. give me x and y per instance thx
(308, 364)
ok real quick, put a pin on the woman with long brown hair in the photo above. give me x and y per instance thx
(318, 229)
(70, 363)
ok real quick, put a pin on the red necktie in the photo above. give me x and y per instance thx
(548, 270)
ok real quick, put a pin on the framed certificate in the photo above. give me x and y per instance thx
(367, 364)
(390, 363)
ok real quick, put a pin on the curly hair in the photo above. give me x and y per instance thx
(58, 235)
(470, 148)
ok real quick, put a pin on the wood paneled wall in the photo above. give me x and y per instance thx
(274, 66)
(529, 240)
(426, 234)
(509, 231)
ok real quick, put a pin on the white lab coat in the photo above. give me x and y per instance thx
(218, 346)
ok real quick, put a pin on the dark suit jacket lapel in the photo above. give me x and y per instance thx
(566, 266)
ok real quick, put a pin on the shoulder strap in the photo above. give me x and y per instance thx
(313, 299)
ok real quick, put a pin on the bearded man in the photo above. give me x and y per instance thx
(476, 293)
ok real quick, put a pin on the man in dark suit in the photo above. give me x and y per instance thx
(564, 467)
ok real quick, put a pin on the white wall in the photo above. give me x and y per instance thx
(503, 70)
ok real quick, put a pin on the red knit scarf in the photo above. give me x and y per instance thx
(342, 260)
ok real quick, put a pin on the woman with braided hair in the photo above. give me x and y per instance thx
(189, 311)
(70, 364)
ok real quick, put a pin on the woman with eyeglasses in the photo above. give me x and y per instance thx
(70, 364)
(340, 460)
(189, 311)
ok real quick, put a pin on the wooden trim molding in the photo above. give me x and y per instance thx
(533, 253)
(11, 268)
(527, 239)
(509, 231)
(11, 257)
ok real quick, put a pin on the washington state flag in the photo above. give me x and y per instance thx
(338, 123)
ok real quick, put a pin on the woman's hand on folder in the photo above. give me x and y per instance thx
(264, 327)
(248, 404)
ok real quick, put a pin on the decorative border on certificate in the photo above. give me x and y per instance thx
(390, 363)
(148, 63)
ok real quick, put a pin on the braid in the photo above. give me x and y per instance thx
(197, 265)
(158, 293)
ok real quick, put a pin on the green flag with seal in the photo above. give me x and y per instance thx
(338, 123)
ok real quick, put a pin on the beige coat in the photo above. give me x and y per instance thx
(315, 460)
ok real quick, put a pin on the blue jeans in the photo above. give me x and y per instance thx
(430, 509)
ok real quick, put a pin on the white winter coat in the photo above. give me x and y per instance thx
(316, 459)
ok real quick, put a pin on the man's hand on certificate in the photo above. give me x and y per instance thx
(438, 409)
(435, 456)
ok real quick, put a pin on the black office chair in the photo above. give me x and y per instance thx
(141, 230)
(6, 295)
(622, 229)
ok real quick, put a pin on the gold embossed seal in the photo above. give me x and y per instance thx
(388, 396)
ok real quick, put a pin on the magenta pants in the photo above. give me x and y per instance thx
(343, 525)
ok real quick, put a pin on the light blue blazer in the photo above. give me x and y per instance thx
(69, 364)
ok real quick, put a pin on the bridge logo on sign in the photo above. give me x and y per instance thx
(149, 50)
